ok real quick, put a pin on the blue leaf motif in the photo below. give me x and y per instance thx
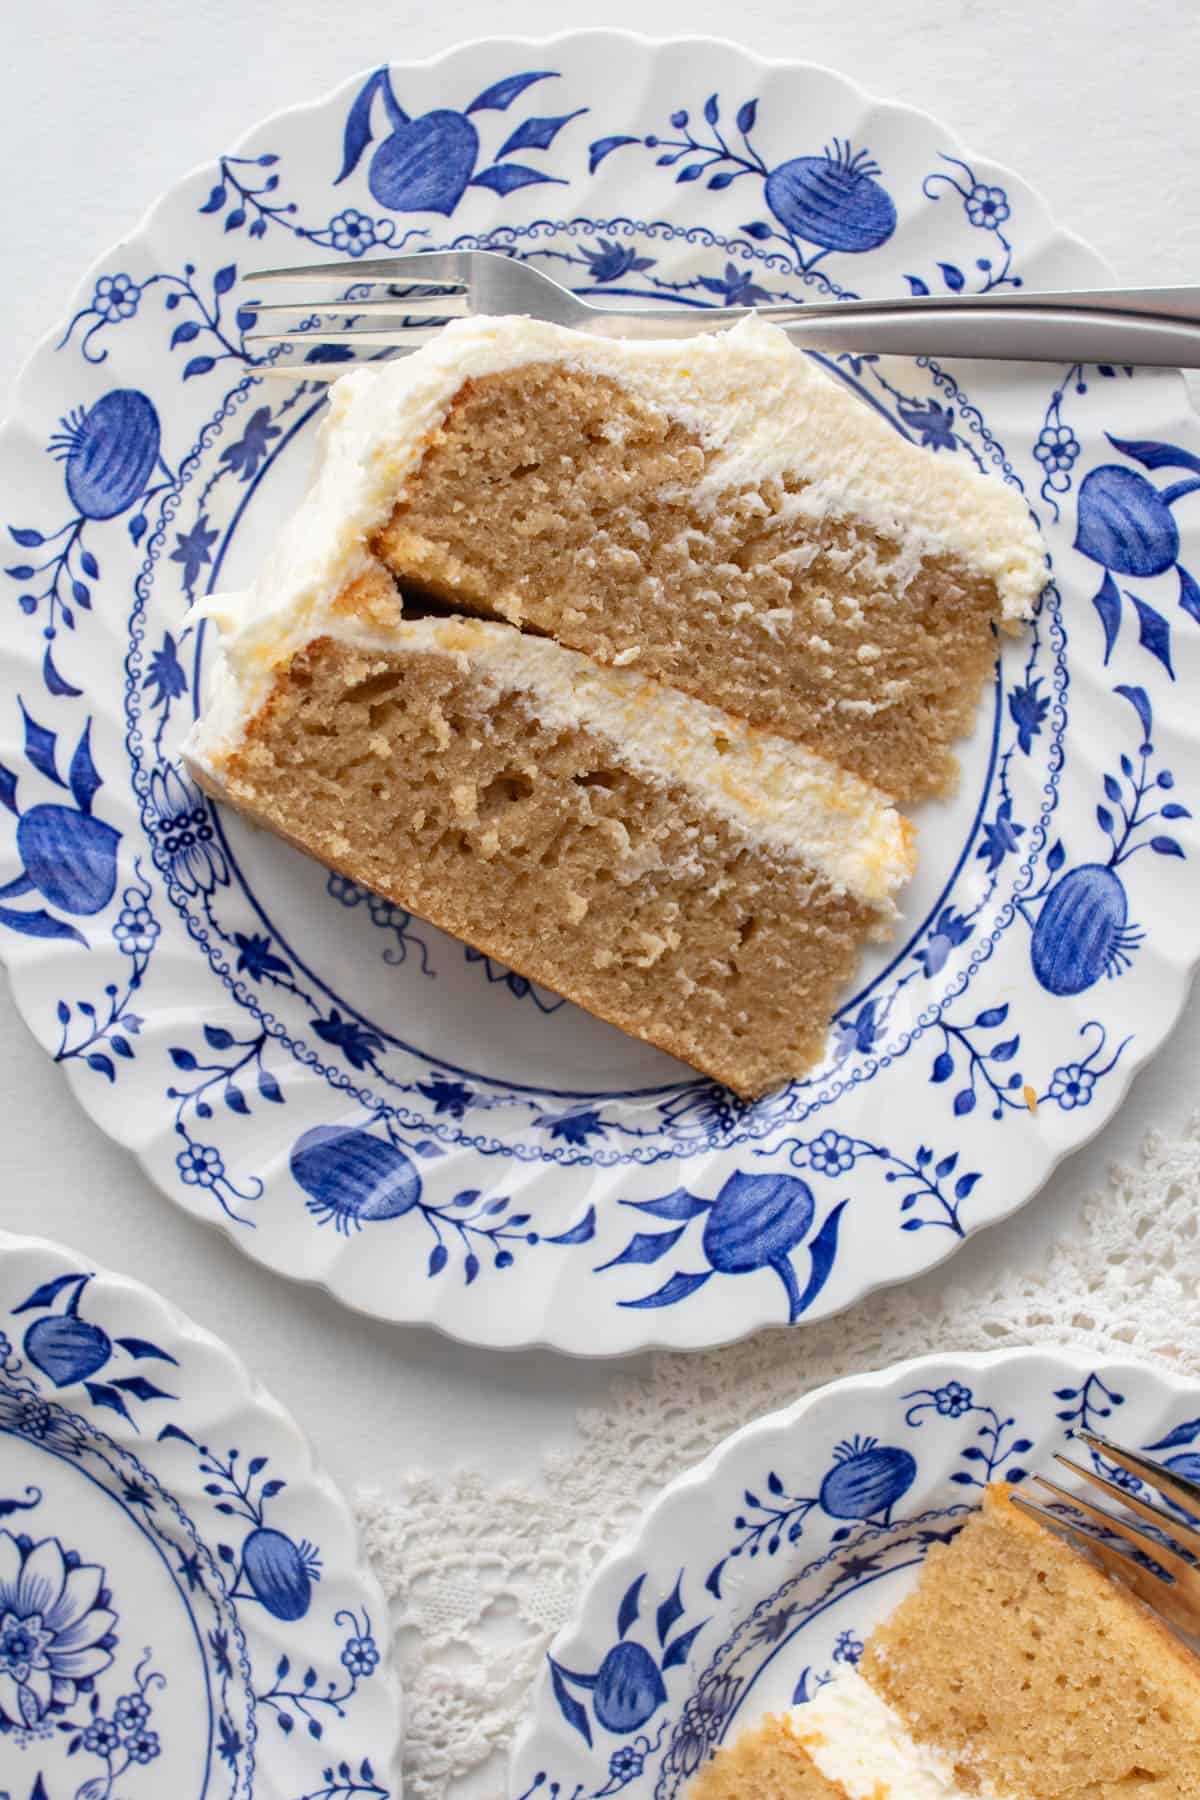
(758, 231)
(712, 111)
(1154, 634)
(604, 147)
(199, 365)
(568, 1706)
(1176, 1439)
(357, 134)
(83, 776)
(1153, 455)
(916, 285)
(678, 1204)
(27, 538)
(101, 1065)
(215, 201)
(48, 1293)
(678, 1288)
(822, 1256)
(629, 1611)
(506, 178)
(964, 1185)
(677, 1655)
(943, 1067)
(40, 746)
(142, 1347)
(537, 134)
(746, 117)
(1108, 604)
(1112, 790)
(645, 1247)
(1189, 593)
(500, 96)
(224, 279)
(57, 684)
(582, 1233)
(1140, 702)
(993, 1016)
(1006, 1051)
(183, 334)
(671, 1610)
(953, 277)
(39, 924)
(1165, 846)
(964, 1102)
(101, 1394)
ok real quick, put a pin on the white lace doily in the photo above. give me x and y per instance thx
(481, 1577)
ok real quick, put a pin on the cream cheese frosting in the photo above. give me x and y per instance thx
(759, 404)
(772, 789)
(857, 1740)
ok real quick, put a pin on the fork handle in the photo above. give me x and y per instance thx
(1159, 327)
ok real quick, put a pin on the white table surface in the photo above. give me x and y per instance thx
(103, 108)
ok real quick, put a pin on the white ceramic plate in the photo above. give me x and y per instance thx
(751, 1578)
(184, 1607)
(356, 1098)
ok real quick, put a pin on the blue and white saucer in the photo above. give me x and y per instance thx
(184, 1606)
(354, 1097)
(753, 1577)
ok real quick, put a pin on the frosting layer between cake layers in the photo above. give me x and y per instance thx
(760, 406)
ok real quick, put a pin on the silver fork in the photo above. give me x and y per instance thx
(1168, 1582)
(421, 291)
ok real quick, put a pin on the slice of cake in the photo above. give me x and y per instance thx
(702, 884)
(1016, 1670)
(717, 511)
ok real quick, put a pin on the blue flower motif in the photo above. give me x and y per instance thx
(1056, 448)
(933, 423)
(987, 206)
(54, 1629)
(1028, 710)
(774, 1626)
(256, 958)
(131, 1712)
(952, 1400)
(229, 1742)
(142, 1746)
(101, 1737)
(999, 839)
(194, 550)
(856, 1034)
(736, 287)
(1072, 1085)
(573, 1127)
(831, 1153)
(360, 1657)
(451, 1097)
(950, 929)
(116, 297)
(352, 232)
(625, 1764)
(181, 821)
(611, 261)
(848, 1649)
(358, 1043)
(200, 1165)
(164, 679)
(136, 930)
(253, 446)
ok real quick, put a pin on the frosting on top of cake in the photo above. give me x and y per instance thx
(857, 1740)
(773, 790)
(759, 405)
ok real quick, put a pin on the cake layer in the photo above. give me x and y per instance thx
(717, 511)
(1037, 1674)
(697, 882)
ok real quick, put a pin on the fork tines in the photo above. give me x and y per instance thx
(1160, 1564)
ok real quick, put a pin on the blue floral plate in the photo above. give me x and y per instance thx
(752, 1577)
(361, 1101)
(184, 1609)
